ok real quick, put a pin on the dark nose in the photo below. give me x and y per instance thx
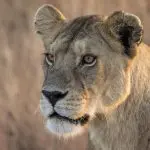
(54, 96)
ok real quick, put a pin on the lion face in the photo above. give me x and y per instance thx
(69, 91)
(86, 71)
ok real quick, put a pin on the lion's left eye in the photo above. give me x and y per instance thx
(89, 59)
(49, 59)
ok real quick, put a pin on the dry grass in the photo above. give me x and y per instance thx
(20, 69)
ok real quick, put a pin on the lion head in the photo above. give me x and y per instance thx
(86, 66)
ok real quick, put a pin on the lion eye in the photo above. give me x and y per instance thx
(89, 60)
(49, 59)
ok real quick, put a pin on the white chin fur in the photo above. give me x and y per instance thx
(63, 128)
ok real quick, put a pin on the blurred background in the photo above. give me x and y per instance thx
(21, 125)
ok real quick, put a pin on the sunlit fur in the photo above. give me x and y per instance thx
(114, 91)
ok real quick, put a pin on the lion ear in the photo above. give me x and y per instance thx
(48, 21)
(126, 28)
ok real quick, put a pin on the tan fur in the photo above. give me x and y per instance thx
(129, 124)
(114, 92)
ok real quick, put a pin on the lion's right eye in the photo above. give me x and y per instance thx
(89, 60)
(49, 59)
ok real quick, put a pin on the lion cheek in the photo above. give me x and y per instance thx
(116, 93)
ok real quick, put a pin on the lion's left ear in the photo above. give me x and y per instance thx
(126, 28)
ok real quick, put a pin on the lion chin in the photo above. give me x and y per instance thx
(63, 128)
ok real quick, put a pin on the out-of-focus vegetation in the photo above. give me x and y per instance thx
(21, 125)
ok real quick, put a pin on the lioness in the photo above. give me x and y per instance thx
(96, 76)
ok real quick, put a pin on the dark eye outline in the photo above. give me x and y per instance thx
(89, 63)
(48, 61)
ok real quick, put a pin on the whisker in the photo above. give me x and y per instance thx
(37, 109)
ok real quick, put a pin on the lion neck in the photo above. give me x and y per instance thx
(118, 129)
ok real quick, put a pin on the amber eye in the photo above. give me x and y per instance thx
(49, 59)
(89, 60)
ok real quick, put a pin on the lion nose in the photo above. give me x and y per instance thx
(54, 96)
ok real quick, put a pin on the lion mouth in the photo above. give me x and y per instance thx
(82, 120)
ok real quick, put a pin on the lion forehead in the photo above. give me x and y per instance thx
(79, 30)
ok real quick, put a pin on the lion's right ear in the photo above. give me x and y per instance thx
(48, 21)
